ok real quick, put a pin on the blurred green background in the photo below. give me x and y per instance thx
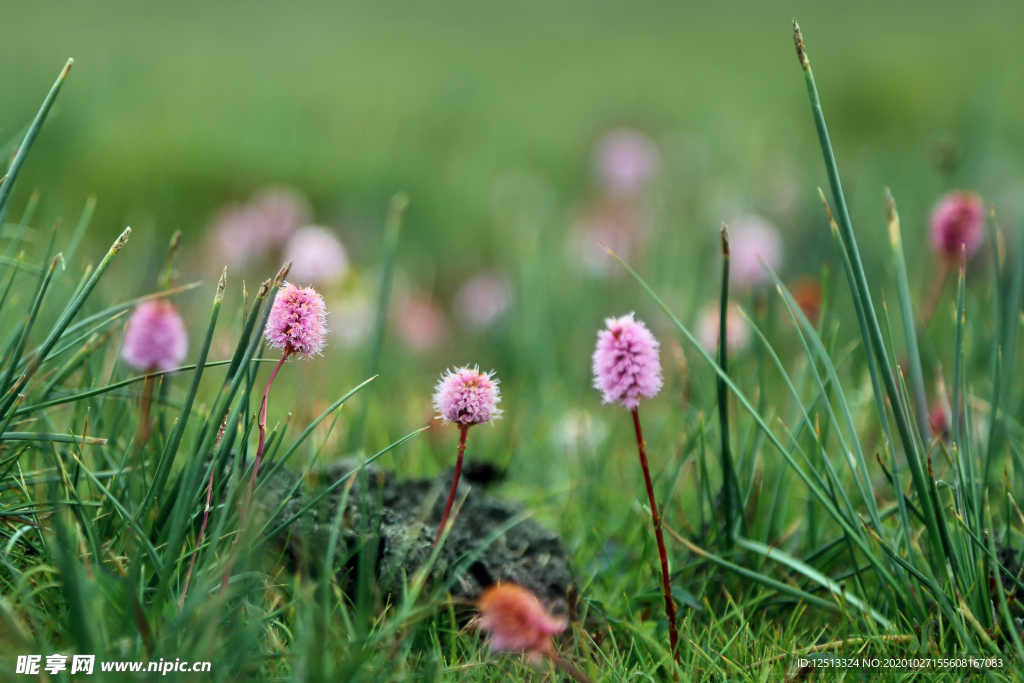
(487, 114)
(173, 108)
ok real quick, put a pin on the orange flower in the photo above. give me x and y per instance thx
(517, 621)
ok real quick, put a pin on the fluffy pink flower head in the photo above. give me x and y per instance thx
(625, 161)
(751, 240)
(467, 396)
(958, 220)
(317, 256)
(156, 338)
(517, 621)
(737, 330)
(626, 365)
(298, 321)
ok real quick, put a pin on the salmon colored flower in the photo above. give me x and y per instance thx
(517, 621)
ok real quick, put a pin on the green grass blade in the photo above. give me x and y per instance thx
(171, 450)
(392, 238)
(30, 137)
(728, 475)
(859, 285)
(907, 317)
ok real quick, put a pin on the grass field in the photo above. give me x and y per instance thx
(852, 526)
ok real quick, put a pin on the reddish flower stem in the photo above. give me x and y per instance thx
(670, 604)
(262, 424)
(463, 429)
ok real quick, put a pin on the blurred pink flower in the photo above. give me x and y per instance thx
(420, 323)
(958, 220)
(625, 161)
(516, 620)
(467, 396)
(317, 256)
(736, 328)
(282, 211)
(938, 418)
(625, 362)
(244, 233)
(483, 299)
(156, 338)
(298, 321)
(751, 239)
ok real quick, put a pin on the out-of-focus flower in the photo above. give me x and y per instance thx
(420, 323)
(244, 233)
(625, 362)
(625, 161)
(958, 221)
(578, 430)
(517, 621)
(467, 396)
(808, 295)
(282, 211)
(298, 321)
(938, 418)
(736, 329)
(616, 227)
(483, 299)
(353, 318)
(751, 239)
(156, 338)
(317, 256)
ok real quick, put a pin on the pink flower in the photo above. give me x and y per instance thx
(625, 161)
(751, 240)
(420, 322)
(483, 299)
(238, 237)
(938, 418)
(958, 220)
(156, 338)
(626, 364)
(317, 256)
(244, 233)
(517, 621)
(282, 211)
(736, 328)
(298, 321)
(467, 396)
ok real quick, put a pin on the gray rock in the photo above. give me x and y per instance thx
(402, 519)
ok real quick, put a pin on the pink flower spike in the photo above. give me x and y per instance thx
(626, 365)
(298, 321)
(467, 396)
(517, 621)
(156, 338)
(958, 220)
